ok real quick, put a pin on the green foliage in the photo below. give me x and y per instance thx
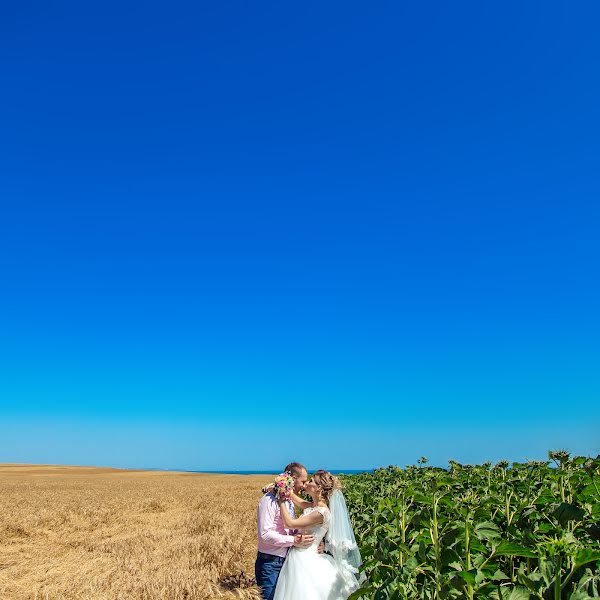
(498, 532)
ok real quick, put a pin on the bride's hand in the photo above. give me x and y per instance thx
(303, 540)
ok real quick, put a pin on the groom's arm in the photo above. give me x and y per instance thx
(267, 530)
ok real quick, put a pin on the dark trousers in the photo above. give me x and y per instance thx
(266, 569)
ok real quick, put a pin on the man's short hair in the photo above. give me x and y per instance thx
(295, 468)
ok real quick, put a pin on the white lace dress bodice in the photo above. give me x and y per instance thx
(319, 530)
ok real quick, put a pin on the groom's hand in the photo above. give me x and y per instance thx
(303, 541)
(321, 548)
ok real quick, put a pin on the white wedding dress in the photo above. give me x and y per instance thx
(308, 575)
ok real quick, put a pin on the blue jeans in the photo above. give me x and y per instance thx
(266, 569)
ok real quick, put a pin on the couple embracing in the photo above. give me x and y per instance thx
(310, 557)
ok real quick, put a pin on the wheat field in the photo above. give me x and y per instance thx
(107, 534)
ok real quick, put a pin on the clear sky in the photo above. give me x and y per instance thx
(233, 234)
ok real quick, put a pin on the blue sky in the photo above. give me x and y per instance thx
(233, 235)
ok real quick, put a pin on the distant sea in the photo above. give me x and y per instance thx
(276, 472)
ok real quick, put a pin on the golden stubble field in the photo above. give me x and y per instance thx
(105, 534)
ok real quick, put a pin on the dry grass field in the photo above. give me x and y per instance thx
(104, 534)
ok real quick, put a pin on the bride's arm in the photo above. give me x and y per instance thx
(314, 518)
(297, 500)
(300, 502)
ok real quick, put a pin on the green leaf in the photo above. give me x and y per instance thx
(468, 576)
(450, 536)
(449, 556)
(566, 512)
(516, 593)
(487, 530)
(579, 595)
(594, 532)
(547, 571)
(584, 582)
(362, 593)
(510, 549)
(544, 499)
(529, 583)
(422, 498)
(586, 556)
(589, 492)
(519, 593)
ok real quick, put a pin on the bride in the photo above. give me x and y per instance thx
(306, 574)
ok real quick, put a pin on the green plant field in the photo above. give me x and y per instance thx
(503, 532)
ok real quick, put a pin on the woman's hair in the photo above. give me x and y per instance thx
(327, 482)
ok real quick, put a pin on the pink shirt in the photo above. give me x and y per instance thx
(273, 537)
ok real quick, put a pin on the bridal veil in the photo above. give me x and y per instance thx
(341, 543)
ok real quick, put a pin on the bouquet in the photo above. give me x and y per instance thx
(284, 486)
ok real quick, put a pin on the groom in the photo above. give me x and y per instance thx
(274, 540)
